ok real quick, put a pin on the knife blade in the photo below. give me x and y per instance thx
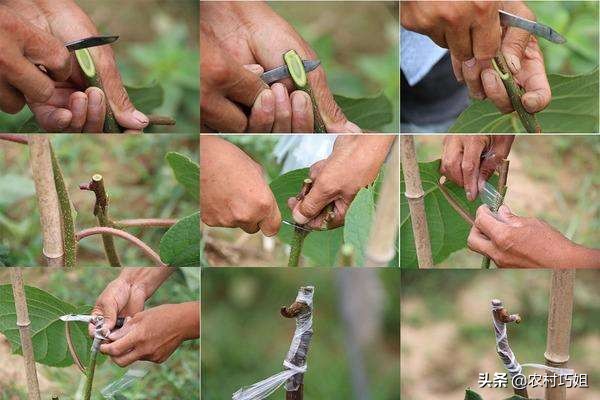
(535, 28)
(92, 41)
(282, 72)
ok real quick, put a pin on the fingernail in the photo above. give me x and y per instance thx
(351, 127)
(95, 98)
(279, 92)
(299, 103)
(478, 95)
(489, 79)
(63, 122)
(78, 106)
(267, 101)
(468, 193)
(298, 217)
(514, 63)
(141, 117)
(470, 63)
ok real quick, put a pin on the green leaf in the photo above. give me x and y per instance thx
(320, 246)
(14, 188)
(573, 109)
(146, 98)
(186, 172)
(447, 230)
(471, 395)
(370, 113)
(180, 245)
(357, 225)
(47, 331)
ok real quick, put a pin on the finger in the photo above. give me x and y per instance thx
(457, 69)
(459, 43)
(29, 80)
(262, 114)
(313, 203)
(271, 224)
(255, 69)
(494, 89)
(117, 98)
(121, 346)
(283, 109)
(78, 104)
(127, 359)
(471, 70)
(515, 41)
(224, 116)
(335, 218)
(245, 86)
(53, 119)
(11, 100)
(452, 156)
(485, 35)
(302, 113)
(537, 89)
(96, 111)
(41, 48)
(249, 227)
(316, 169)
(487, 223)
(479, 243)
(470, 167)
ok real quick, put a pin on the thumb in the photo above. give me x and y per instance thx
(125, 112)
(515, 41)
(506, 215)
(312, 204)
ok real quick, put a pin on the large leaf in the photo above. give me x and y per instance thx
(573, 109)
(447, 230)
(186, 172)
(357, 224)
(47, 331)
(14, 188)
(370, 113)
(320, 246)
(180, 245)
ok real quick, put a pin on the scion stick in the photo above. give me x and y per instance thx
(415, 195)
(23, 322)
(68, 226)
(503, 176)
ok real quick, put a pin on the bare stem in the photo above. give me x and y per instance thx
(16, 277)
(503, 177)
(21, 139)
(40, 162)
(161, 120)
(145, 223)
(299, 233)
(383, 237)
(68, 225)
(100, 230)
(415, 195)
(560, 315)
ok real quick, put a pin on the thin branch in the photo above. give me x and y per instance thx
(515, 93)
(33, 388)
(40, 162)
(21, 139)
(456, 205)
(124, 235)
(96, 185)
(560, 316)
(383, 237)
(299, 232)
(161, 120)
(145, 223)
(415, 194)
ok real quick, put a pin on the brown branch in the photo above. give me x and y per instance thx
(21, 139)
(23, 322)
(124, 235)
(145, 223)
(457, 207)
(161, 120)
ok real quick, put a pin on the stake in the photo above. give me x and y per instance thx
(503, 173)
(96, 185)
(33, 388)
(415, 194)
(40, 162)
(559, 327)
(381, 247)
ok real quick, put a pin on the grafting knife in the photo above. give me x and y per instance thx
(92, 41)
(535, 28)
(282, 72)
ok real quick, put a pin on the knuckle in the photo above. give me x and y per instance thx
(468, 166)
(44, 91)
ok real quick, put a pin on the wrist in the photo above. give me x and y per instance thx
(146, 280)
(581, 257)
(190, 312)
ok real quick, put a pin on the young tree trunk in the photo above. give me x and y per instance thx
(415, 194)
(33, 388)
(384, 231)
(559, 327)
(48, 205)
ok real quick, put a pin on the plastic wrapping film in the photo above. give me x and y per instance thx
(506, 354)
(137, 371)
(295, 362)
(490, 196)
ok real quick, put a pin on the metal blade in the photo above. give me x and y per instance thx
(535, 28)
(296, 226)
(90, 42)
(77, 318)
(279, 73)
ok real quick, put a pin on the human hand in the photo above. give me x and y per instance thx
(233, 190)
(252, 33)
(73, 107)
(469, 161)
(25, 46)
(525, 61)
(353, 164)
(154, 334)
(519, 242)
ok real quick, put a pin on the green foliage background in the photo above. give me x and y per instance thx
(177, 378)
(244, 338)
